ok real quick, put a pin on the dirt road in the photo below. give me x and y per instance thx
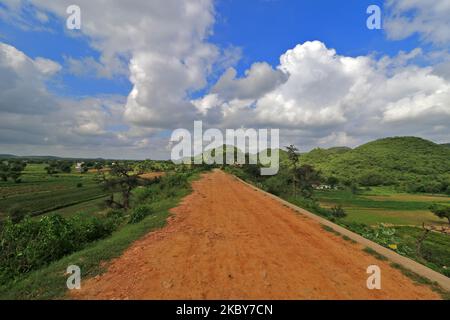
(227, 241)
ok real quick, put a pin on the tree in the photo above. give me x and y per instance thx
(4, 171)
(98, 166)
(65, 166)
(307, 177)
(12, 169)
(333, 181)
(84, 168)
(59, 167)
(293, 159)
(441, 211)
(120, 179)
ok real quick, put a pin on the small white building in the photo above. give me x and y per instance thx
(79, 167)
(323, 187)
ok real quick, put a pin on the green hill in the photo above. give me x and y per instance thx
(415, 164)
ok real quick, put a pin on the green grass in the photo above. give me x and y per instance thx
(92, 207)
(375, 254)
(422, 281)
(331, 230)
(346, 238)
(50, 282)
(384, 205)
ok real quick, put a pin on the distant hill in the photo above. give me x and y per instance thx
(323, 156)
(12, 156)
(8, 156)
(412, 162)
(446, 145)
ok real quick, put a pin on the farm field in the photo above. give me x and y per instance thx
(40, 193)
(400, 217)
(384, 205)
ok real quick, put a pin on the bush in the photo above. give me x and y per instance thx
(116, 214)
(79, 185)
(17, 213)
(31, 244)
(277, 184)
(311, 205)
(338, 212)
(174, 180)
(142, 194)
(441, 211)
(138, 214)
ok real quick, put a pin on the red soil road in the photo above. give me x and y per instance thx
(228, 241)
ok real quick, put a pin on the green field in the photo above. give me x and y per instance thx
(394, 218)
(40, 193)
(384, 205)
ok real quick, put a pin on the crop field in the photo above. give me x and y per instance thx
(398, 217)
(384, 205)
(40, 193)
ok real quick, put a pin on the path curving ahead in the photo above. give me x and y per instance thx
(228, 241)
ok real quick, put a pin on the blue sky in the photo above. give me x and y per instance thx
(263, 29)
(112, 89)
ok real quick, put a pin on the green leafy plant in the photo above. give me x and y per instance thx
(138, 214)
(31, 244)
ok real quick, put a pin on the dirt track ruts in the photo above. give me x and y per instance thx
(228, 241)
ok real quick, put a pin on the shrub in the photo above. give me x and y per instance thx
(17, 213)
(142, 194)
(441, 211)
(31, 244)
(79, 185)
(338, 212)
(311, 205)
(174, 180)
(277, 184)
(116, 214)
(138, 214)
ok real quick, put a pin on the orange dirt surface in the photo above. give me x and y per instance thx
(152, 175)
(228, 241)
(101, 170)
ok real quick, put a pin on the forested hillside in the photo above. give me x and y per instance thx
(415, 164)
